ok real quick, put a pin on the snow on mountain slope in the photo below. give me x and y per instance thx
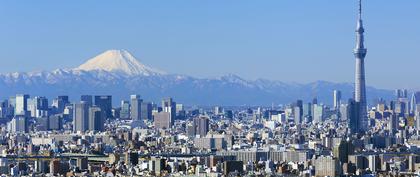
(119, 61)
(118, 73)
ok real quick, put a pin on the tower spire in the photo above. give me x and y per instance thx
(359, 32)
(359, 120)
(360, 9)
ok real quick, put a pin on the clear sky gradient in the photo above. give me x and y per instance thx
(288, 40)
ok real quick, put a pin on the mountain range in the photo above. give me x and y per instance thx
(118, 73)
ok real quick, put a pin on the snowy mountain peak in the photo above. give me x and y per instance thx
(119, 61)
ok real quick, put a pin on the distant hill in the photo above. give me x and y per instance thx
(118, 73)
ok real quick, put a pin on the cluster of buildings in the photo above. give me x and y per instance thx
(92, 137)
(139, 138)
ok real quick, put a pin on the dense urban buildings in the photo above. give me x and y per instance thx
(303, 138)
(92, 136)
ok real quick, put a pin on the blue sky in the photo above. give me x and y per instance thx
(289, 40)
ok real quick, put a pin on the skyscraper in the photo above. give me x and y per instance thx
(81, 117)
(105, 103)
(337, 99)
(125, 110)
(360, 85)
(60, 103)
(201, 126)
(413, 102)
(87, 98)
(55, 122)
(318, 113)
(38, 106)
(21, 107)
(18, 124)
(353, 115)
(146, 111)
(165, 118)
(393, 124)
(307, 112)
(96, 120)
(401, 93)
(298, 112)
(135, 107)
(169, 106)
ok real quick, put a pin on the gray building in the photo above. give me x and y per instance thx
(60, 103)
(298, 114)
(169, 106)
(19, 124)
(327, 166)
(146, 111)
(360, 82)
(96, 119)
(80, 117)
(55, 122)
(135, 107)
(307, 112)
(318, 113)
(125, 110)
(162, 120)
(201, 126)
(337, 99)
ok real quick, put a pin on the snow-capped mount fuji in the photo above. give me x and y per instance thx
(118, 73)
(119, 61)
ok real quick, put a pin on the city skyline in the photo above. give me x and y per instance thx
(116, 116)
(326, 30)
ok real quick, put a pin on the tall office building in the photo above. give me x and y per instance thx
(337, 99)
(146, 111)
(180, 111)
(201, 126)
(218, 110)
(19, 124)
(401, 93)
(38, 106)
(298, 112)
(393, 124)
(318, 113)
(55, 122)
(360, 83)
(80, 117)
(87, 98)
(169, 106)
(307, 112)
(135, 107)
(327, 166)
(353, 115)
(96, 120)
(21, 104)
(165, 118)
(342, 150)
(162, 120)
(413, 102)
(105, 103)
(60, 103)
(344, 112)
(125, 110)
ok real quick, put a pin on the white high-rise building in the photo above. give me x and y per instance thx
(21, 104)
